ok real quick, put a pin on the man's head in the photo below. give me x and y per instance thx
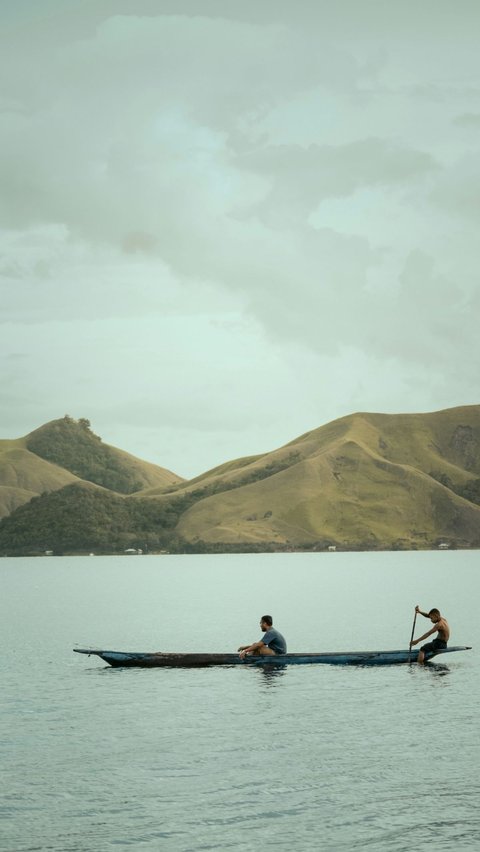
(266, 622)
(434, 615)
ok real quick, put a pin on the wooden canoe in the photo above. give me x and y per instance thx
(348, 658)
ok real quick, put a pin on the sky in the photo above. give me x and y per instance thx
(224, 223)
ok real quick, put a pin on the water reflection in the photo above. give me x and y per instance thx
(438, 669)
(432, 669)
(271, 672)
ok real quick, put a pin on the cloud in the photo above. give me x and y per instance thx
(468, 120)
(304, 176)
(138, 120)
(198, 195)
(455, 191)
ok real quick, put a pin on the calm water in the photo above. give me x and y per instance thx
(308, 758)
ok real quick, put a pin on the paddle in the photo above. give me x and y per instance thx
(411, 637)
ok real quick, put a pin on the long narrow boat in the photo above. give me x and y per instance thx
(344, 658)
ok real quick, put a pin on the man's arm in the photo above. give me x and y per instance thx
(425, 614)
(247, 649)
(425, 636)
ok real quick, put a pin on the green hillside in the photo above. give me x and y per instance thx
(83, 517)
(366, 481)
(24, 475)
(66, 451)
(72, 445)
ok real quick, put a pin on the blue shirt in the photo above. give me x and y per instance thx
(275, 641)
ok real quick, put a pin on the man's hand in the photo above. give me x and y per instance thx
(413, 642)
(417, 608)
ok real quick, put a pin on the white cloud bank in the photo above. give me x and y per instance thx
(224, 224)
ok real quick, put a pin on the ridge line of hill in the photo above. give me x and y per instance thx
(364, 481)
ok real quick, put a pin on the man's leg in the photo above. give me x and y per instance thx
(424, 650)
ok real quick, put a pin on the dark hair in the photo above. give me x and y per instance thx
(267, 619)
(434, 611)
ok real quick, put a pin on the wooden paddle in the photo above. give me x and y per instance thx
(411, 637)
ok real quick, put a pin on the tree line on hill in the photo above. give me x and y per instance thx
(79, 519)
(71, 444)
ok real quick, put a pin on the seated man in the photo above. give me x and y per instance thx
(271, 643)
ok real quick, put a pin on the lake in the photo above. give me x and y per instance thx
(303, 758)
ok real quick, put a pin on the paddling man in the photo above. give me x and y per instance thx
(440, 626)
(272, 641)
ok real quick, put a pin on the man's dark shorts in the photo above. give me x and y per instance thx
(434, 647)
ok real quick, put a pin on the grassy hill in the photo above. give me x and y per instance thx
(24, 475)
(65, 451)
(368, 481)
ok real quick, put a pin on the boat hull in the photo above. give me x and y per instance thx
(344, 658)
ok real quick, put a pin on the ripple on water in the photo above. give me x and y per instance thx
(303, 759)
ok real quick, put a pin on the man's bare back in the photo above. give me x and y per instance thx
(443, 629)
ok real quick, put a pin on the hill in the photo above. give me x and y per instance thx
(84, 517)
(65, 451)
(24, 475)
(366, 481)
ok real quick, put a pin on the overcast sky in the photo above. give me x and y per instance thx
(223, 224)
